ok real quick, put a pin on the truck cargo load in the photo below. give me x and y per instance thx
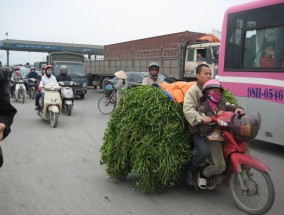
(175, 53)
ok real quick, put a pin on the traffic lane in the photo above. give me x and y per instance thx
(41, 163)
(273, 156)
(57, 171)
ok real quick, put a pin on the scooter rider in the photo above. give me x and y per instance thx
(153, 77)
(16, 76)
(32, 73)
(190, 110)
(63, 74)
(48, 78)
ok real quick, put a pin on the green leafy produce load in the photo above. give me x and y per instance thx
(229, 97)
(147, 137)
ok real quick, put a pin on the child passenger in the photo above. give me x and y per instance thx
(268, 60)
(212, 104)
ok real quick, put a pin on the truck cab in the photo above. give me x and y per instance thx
(197, 54)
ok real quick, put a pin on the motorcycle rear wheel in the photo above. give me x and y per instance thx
(53, 119)
(259, 197)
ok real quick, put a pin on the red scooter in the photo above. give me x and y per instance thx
(248, 179)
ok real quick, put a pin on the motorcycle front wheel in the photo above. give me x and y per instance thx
(258, 195)
(68, 110)
(23, 97)
(53, 119)
(106, 105)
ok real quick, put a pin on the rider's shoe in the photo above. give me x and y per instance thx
(36, 107)
(190, 178)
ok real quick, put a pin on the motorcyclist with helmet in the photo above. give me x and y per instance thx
(212, 104)
(153, 77)
(63, 74)
(31, 74)
(16, 76)
(47, 78)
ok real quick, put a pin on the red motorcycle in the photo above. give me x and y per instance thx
(248, 178)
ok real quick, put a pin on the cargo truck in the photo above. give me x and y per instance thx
(76, 69)
(175, 53)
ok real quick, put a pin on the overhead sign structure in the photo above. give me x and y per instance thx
(37, 46)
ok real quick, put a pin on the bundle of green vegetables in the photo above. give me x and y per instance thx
(147, 137)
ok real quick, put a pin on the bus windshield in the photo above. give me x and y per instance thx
(73, 68)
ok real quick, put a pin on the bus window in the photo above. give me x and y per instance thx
(270, 48)
(264, 48)
(251, 32)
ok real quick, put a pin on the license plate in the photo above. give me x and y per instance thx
(68, 102)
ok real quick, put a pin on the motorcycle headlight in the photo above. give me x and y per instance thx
(84, 85)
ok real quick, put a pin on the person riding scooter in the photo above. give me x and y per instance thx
(63, 74)
(212, 104)
(31, 74)
(153, 77)
(48, 78)
(17, 76)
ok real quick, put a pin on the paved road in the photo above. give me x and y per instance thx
(57, 171)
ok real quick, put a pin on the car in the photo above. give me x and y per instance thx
(135, 78)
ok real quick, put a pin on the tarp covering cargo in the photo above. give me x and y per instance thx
(177, 89)
(208, 38)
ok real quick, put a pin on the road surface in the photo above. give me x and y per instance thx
(58, 171)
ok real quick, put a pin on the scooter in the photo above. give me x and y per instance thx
(20, 91)
(67, 96)
(248, 179)
(50, 104)
(32, 87)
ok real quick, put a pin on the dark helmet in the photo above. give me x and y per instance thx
(212, 83)
(154, 65)
(245, 127)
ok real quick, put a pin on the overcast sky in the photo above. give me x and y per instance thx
(102, 22)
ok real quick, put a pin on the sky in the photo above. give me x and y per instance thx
(103, 22)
